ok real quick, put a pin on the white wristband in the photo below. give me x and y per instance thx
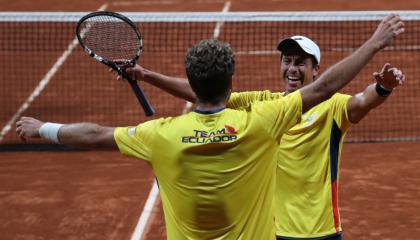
(50, 131)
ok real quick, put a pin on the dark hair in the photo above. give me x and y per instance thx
(210, 65)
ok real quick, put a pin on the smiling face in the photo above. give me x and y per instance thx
(297, 69)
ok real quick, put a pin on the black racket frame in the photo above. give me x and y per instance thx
(119, 66)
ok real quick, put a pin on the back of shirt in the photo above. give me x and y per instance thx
(215, 171)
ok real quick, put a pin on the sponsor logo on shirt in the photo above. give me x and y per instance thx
(226, 134)
(309, 120)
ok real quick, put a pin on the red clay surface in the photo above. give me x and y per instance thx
(71, 195)
(100, 195)
(379, 191)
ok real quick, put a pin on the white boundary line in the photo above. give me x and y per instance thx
(151, 200)
(153, 2)
(147, 211)
(165, 2)
(42, 84)
(216, 33)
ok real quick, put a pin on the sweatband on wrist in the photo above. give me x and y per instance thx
(382, 91)
(50, 131)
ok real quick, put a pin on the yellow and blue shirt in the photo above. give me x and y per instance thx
(306, 197)
(216, 170)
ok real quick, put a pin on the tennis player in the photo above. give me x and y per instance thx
(308, 159)
(214, 166)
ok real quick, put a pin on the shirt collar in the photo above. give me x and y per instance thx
(210, 111)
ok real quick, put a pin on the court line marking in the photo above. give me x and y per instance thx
(151, 199)
(285, 1)
(132, 3)
(43, 83)
(167, 2)
(216, 33)
(147, 211)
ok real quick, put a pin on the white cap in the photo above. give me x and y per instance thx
(306, 44)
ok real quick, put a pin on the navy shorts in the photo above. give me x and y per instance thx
(336, 236)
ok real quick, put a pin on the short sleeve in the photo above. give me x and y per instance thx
(340, 113)
(136, 141)
(244, 99)
(280, 115)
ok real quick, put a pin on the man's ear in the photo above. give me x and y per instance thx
(315, 71)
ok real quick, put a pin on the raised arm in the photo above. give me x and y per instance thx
(178, 87)
(337, 76)
(79, 135)
(375, 94)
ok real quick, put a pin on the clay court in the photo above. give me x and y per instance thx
(65, 194)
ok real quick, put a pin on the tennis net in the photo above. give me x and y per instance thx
(44, 72)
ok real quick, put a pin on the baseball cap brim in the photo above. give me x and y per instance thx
(311, 49)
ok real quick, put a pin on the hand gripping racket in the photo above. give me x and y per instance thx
(115, 41)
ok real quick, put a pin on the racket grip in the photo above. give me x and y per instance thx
(148, 110)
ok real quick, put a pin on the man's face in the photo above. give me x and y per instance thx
(297, 69)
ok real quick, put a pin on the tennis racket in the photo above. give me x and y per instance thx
(115, 41)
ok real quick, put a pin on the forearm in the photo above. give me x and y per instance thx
(360, 104)
(79, 135)
(372, 98)
(337, 76)
(87, 135)
(176, 86)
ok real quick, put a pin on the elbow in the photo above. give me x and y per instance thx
(96, 137)
(86, 136)
(358, 111)
(92, 138)
(355, 119)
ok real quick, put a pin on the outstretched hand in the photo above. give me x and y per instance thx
(390, 27)
(389, 77)
(28, 127)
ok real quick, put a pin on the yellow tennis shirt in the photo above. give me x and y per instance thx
(306, 199)
(215, 170)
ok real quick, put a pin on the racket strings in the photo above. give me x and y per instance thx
(110, 37)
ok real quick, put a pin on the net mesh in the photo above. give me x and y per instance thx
(42, 65)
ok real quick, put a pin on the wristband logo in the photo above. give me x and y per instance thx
(226, 134)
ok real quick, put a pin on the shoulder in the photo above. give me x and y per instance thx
(283, 103)
(260, 95)
(159, 123)
(294, 97)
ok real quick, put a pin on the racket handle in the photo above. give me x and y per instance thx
(148, 110)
